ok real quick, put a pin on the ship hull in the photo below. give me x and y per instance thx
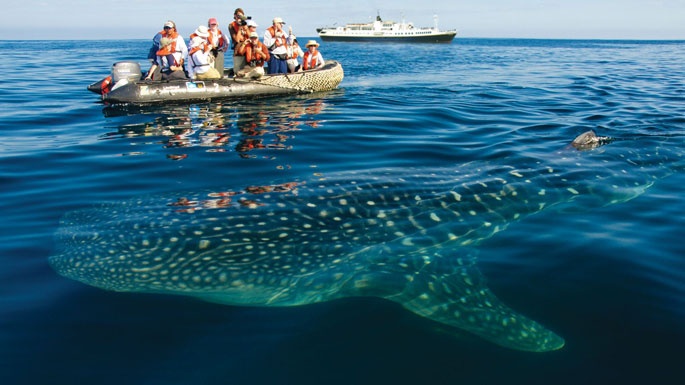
(446, 37)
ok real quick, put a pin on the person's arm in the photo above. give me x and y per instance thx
(265, 51)
(268, 39)
(235, 34)
(241, 48)
(247, 49)
(181, 43)
(227, 44)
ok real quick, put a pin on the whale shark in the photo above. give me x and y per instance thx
(404, 234)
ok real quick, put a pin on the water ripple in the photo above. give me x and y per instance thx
(584, 266)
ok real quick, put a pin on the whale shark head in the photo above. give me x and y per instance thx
(589, 140)
(406, 235)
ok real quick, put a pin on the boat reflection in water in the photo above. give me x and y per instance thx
(232, 128)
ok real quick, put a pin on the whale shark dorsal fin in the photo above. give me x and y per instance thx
(453, 292)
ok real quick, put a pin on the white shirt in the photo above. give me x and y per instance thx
(270, 40)
(199, 61)
(216, 38)
(181, 49)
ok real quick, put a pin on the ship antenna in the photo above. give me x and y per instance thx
(435, 20)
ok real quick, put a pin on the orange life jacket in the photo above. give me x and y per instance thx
(278, 41)
(171, 48)
(218, 37)
(249, 53)
(234, 26)
(234, 29)
(206, 47)
(106, 85)
(202, 47)
(309, 60)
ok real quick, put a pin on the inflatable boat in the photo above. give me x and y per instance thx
(124, 86)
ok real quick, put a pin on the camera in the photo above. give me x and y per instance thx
(244, 19)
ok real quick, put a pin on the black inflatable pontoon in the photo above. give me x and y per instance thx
(125, 86)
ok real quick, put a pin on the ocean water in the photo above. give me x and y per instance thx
(608, 277)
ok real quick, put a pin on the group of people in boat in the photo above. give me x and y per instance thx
(203, 58)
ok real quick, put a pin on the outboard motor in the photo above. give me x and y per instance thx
(125, 72)
(129, 70)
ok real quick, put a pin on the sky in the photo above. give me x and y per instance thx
(542, 19)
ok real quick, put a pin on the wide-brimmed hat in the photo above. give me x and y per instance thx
(278, 20)
(252, 23)
(197, 41)
(165, 41)
(254, 34)
(312, 43)
(202, 31)
(170, 24)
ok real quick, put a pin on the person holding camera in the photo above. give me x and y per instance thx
(256, 54)
(277, 40)
(239, 35)
(239, 51)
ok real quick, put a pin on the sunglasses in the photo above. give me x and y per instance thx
(167, 27)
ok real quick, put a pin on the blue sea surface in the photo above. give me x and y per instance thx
(609, 278)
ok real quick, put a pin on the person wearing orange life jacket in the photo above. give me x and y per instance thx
(219, 44)
(294, 52)
(256, 54)
(170, 56)
(199, 64)
(277, 40)
(235, 28)
(312, 58)
(239, 35)
(239, 52)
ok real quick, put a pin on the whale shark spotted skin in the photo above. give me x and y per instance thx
(402, 234)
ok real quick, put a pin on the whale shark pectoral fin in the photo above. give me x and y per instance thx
(455, 294)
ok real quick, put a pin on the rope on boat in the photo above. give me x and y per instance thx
(310, 81)
(290, 86)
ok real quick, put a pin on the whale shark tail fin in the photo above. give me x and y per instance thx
(453, 292)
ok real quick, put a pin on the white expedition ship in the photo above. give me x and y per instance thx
(387, 31)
